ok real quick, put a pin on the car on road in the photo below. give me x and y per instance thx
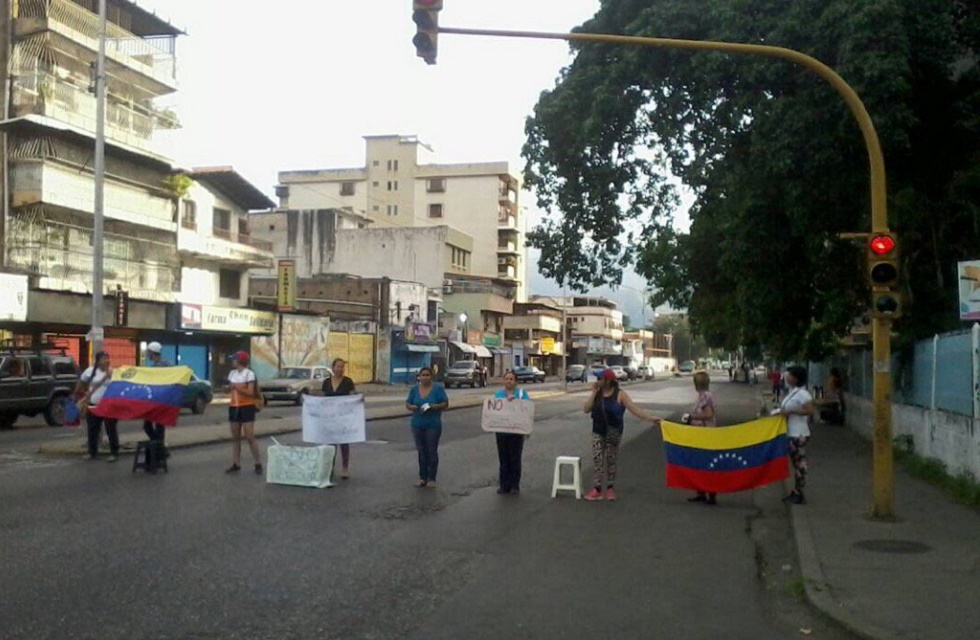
(576, 373)
(465, 372)
(620, 372)
(631, 371)
(686, 368)
(529, 374)
(595, 371)
(33, 381)
(645, 373)
(198, 395)
(293, 384)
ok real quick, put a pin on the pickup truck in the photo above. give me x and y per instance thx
(33, 382)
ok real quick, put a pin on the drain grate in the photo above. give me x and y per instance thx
(901, 547)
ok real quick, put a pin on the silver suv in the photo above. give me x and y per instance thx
(34, 381)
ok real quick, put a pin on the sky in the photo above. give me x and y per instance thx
(295, 84)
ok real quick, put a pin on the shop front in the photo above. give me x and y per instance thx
(204, 337)
(411, 350)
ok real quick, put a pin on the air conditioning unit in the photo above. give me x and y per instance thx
(447, 286)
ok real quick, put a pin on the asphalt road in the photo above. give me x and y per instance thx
(90, 550)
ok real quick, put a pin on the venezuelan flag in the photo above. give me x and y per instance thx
(726, 459)
(145, 393)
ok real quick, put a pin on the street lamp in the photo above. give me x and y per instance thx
(463, 318)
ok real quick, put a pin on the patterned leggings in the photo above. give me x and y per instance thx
(797, 454)
(605, 450)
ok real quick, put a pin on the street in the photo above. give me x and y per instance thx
(91, 550)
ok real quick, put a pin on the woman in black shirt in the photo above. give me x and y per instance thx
(340, 385)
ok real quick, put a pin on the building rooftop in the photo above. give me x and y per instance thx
(233, 185)
(146, 23)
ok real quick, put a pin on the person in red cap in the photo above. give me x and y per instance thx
(608, 405)
(241, 413)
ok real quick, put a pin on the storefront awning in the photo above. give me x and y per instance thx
(500, 352)
(462, 346)
(422, 348)
(483, 352)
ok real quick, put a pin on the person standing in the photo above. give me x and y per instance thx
(776, 379)
(154, 431)
(510, 446)
(797, 406)
(340, 385)
(608, 405)
(91, 386)
(703, 415)
(427, 401)
(241, 413)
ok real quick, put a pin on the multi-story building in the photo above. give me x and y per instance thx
(534, 334)
(596, 327)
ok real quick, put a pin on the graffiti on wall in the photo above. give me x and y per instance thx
(305, 342)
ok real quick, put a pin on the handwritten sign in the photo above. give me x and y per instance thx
(300, 466)
(334, 420)
(508, 416)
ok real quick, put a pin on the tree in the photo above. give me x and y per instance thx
(774, 160)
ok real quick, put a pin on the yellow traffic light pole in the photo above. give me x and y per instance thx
(884, 502)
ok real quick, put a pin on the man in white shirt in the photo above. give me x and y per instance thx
(797, 406)
(92, 386)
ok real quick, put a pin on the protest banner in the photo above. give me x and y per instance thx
(300, 466)
(508, 416)
(333, 420)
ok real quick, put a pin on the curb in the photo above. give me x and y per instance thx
(818, 591)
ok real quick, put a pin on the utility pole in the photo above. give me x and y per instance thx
(97, 335)
(564, 339)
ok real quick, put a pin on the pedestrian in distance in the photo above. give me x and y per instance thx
(340, 385)
(241, 412)
(427, 400)
(797, 406)
(91, 386)
(510, 446)
(776, 378)
(608, 404)
(156, 432)
(703, 415)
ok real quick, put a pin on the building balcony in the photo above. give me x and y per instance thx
(533, 323)
(37, 182)
(151, 58)
(224, 246)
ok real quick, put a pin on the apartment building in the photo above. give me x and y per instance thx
(534, 335)
(596, 327)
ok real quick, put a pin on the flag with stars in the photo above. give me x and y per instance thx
(145, 393)
(726, 459)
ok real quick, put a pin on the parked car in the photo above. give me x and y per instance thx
(686, 368)
(631, 371)
(198, 395)
(595, 371)
(293, 384)
(620, 372)
(645, 373)
(34, 381)
(529, 374)
(465, 372)
(576, 373)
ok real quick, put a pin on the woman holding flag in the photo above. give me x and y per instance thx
(797, 406)
(241, 413)
(703, 415)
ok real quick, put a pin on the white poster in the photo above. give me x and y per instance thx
(300, 466)
(508, 416)
(334, 420)
(13, 297)
(969, 290)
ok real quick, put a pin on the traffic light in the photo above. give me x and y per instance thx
(425, 14)
(883, 270)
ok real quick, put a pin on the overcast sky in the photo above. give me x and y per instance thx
(295, 84)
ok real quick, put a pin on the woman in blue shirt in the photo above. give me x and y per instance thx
(427, 401)
(510, 446)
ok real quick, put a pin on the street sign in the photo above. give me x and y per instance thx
(287, 285)
(122, 308)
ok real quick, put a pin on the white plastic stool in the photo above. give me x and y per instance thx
(576, 463)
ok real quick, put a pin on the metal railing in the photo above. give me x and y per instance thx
(241, 238)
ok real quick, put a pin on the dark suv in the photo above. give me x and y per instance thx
(34, 381)
(468, 372)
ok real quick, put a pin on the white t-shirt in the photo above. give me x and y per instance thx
(795, 400)
(93, 377)
(241, 377)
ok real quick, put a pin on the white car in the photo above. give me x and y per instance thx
(645, 373)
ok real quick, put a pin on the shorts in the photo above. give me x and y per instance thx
(241, 415)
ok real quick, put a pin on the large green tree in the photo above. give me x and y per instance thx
(775, 162)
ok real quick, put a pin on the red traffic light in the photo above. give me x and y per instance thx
(882, 245)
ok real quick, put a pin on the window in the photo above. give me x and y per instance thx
(230, 283)
(346, 188)
(435, 210)
(222, 219)
(243, 227)
(375, 184)
(376, 163)
(436, 185)
(389, 185)
(460, 259)
(39, 367)
(395, 163)
(189, 218)
(392, 185)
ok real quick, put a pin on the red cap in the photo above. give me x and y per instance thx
(242, 356)
(609, 374)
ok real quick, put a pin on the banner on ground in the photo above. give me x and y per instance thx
(145, 393)
(300, 466)
(726, 459)
(508, 416)
(333, 420)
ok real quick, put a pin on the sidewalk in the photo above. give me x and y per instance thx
(918, 577)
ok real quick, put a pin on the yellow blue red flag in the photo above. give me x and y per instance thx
(726, 459)
(145, 393)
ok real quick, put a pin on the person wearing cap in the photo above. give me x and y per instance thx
(91, 386)
(241, 413)
(608, 405)
(156, 432)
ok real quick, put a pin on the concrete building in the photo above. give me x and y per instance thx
(596, 327)
(534, 335)
(394, 190)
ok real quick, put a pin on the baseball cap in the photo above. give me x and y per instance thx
(609, 374)
(241, 356)
(154, 347)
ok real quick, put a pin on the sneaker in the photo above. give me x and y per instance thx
(790, 497)
(501, 491)
(258, 469)
(798, 498)
(88, 456)
(516, 491)
(711, 501)
(112, 458)
(344, 473)
(698, 498)
(233, 469)
(594, 495)
(611, 494)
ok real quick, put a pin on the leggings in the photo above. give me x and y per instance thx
(605, 450)
(797, 454)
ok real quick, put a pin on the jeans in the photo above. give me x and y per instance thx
(510, 447)
(427, 443)
(94, 424)
(154, 431)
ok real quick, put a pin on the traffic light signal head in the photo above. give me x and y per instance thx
(883, 270)
(425, 14)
